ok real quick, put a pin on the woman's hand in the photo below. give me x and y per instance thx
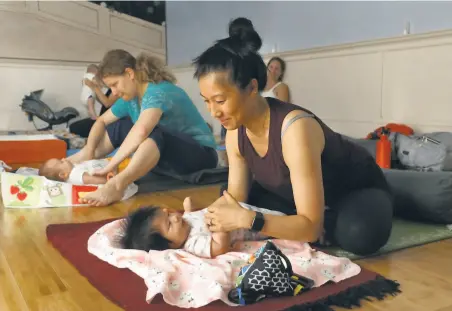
(105, 171)
(85, 154)
(228, 216)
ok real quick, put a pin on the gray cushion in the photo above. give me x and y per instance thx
(418, 195)
(422, 195)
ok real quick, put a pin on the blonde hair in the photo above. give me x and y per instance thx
(147, 68)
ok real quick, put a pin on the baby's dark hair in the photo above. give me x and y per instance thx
(139, 233)
(237, 55)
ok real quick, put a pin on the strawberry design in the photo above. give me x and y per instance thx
(22, 196)
(21, 188)
(14, 189)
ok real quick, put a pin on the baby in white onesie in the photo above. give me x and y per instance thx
(155, 228)
(76, 174)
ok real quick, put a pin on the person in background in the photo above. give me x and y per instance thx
(155, 122)
(275, 88)
(96, 97)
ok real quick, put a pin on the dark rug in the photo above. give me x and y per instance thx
(128, 290)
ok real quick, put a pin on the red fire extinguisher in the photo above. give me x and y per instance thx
(383, 151)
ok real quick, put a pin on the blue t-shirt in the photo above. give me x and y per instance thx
(179, 112)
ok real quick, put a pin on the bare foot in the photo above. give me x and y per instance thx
(189, 206)
(103, 196)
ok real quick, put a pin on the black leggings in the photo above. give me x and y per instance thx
(83, 127)
(360, 223)
(179, 152)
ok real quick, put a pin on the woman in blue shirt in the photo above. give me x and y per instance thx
(154, 119)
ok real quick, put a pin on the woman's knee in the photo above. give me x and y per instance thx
(364, 221)
(118, 131)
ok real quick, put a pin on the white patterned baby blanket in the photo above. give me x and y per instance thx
(31, 191)
(188, 281)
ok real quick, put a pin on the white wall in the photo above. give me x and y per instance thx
(358, 87)
(47, 45)
(294, 25)
(61, 84)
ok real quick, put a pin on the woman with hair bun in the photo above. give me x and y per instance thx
(154, 120)
(283, 157)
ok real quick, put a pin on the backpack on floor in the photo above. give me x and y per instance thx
(422, 153)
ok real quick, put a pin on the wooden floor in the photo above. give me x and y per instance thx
(34, 276)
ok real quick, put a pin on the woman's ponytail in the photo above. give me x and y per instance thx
(149, 68)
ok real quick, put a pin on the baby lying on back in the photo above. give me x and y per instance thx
(76, 174)
(154, 228)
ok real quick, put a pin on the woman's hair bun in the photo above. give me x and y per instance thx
(242, 29)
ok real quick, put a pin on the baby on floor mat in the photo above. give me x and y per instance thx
(154, 228)
(76, 174)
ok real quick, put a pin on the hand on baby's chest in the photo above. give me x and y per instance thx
(196, 222)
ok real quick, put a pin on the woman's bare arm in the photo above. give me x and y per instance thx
(98, 130)
(302, 145)
(91, 110)
(96, 134)
(282, 92)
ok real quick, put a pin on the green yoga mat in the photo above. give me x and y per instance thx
(405, 234)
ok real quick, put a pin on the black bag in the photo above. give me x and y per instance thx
(267, 274)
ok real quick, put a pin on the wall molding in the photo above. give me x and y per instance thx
(411, 41)
(80, 21)
(357, 87)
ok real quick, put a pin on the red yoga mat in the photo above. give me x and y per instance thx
(128, 290)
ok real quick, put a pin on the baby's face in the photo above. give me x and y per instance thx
(62, 167)
(172, 227)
